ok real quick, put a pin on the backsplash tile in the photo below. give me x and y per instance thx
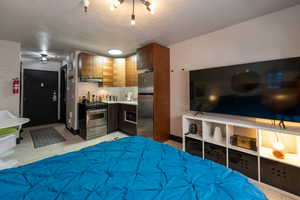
(121, 92)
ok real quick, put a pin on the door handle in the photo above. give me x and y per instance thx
(54, 96)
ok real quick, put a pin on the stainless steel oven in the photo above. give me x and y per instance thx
(96, 118)
(92, 120)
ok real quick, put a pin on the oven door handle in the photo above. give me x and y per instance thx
(96, 111)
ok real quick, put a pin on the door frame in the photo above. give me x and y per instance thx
(60, 90)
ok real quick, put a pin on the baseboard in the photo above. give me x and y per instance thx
(73, 131)
(176, 138)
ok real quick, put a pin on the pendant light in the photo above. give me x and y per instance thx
(133, 15)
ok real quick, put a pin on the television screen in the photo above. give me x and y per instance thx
(269, 89)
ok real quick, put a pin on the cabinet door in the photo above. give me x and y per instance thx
(98, 66)
(108, 72)
(194, 147)
(131, 71)
(283, 176)
(245, 163)
(113, 117)
(215, 153)
(145, 57)
(119, 79)
(86, 65)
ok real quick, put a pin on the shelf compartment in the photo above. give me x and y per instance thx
(243, 138)
(215, 153)
(244, 163)
(186, 126)
(291, 145)
(209, 129)
(194, 146)
(291, 159)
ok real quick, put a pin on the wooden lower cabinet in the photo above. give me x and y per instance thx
(113, 117)
(116, 118)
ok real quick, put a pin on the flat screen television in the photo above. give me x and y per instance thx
(269, 89)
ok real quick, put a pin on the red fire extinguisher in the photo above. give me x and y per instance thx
(16, 86)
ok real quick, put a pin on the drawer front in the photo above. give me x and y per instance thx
(245, 163)
(96, 132)
(194, 147)
(283, 176)
(215, 153)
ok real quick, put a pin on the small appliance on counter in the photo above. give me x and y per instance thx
(92, 120)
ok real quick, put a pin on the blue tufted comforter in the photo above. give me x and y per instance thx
(132, 168)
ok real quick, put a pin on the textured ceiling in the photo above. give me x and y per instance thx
(61, 25)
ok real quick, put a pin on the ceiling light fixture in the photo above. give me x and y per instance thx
(114, 4)
(44, 58)
(86, 4)
(115, 52)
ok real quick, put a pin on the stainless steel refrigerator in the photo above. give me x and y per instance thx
(145, 104)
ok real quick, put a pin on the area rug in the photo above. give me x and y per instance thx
(45, 136)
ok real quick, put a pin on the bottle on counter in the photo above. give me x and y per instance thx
(84, 100)
(89, 96)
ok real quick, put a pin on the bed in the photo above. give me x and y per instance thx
(133, 168)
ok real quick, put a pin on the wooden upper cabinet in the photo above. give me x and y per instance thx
(108, 73)
(119, 72)
(131, 71)
(98, 66)
(86, 63)
(115, 72)
(90, 66)
(145, 57)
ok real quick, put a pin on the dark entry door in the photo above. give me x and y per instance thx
(40, 97)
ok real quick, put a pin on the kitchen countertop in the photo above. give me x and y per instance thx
(121, 102)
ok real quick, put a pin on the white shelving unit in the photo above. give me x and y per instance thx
(264, 133)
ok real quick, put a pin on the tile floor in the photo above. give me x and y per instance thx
(26, 153)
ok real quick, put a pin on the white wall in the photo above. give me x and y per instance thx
(35, 64)
(9, 69)
(72, 93)
(272, 36)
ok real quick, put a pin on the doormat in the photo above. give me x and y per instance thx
(45, 136)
